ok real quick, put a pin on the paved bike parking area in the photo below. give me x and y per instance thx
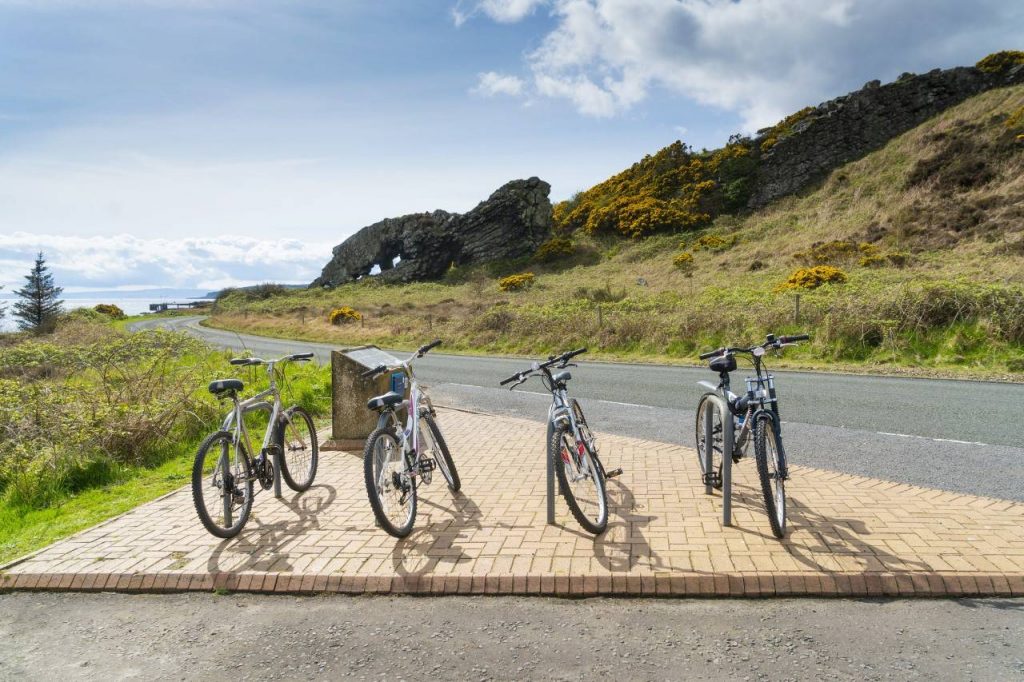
(848, 535)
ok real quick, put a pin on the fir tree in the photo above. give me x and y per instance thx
(40, 303)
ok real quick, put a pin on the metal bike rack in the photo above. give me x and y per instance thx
(728, 438)
(551, 475)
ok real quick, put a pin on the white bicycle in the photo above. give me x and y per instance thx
(396, 458)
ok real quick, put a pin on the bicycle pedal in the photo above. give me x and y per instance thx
(713, 479)
(613, 473)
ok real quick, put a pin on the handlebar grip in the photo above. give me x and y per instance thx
(301, 356)
(430, 346)
(711, 354)
(574, 353)
(514, 377)
(239, 361)
(792, 339)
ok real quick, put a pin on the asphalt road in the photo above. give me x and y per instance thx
(207, 637)
(954, 435)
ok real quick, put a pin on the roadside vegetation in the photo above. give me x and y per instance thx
(908, 260)
(94, 421)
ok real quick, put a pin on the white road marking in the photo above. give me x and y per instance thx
(936, 440)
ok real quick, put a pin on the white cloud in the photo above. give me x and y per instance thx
(760, 58)
(503, 11)
(492, 83)
(125, 261)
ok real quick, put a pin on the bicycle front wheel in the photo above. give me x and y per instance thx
(581, 479)
(433, 440)
(296, 436)
(767, 452)
(713, 438)
(389, 484)
(222, 485)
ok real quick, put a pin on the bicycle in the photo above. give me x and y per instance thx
(571, 444)
(224, 466)
(755, 413)
(395, 457)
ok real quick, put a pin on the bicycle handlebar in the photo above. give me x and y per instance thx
(770, 342)
(553, 360)
(296, 357)
(423, 350)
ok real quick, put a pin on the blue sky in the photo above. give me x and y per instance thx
(214, 142)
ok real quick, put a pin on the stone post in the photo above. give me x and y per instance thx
(351, 421)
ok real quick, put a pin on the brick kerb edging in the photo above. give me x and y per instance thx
(737, 585)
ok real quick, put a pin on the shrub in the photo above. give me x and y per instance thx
(683, 261)
(784, 128)
(872, 261)
(812, 278)
(997, 62)
(827, 253)
(110, 310)
(1015, 121)
(344, 315)
(713, 242)
(554, 249)
(523, 280)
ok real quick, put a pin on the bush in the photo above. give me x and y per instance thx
(997, 62)
(713, 242)
(523, 280)
(110, 310)
(344, 315)
(812, 278)
(554, 249)
(683, 261)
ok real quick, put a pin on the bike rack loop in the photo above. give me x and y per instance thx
(551, 474)
(728, 438)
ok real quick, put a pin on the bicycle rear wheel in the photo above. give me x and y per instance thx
(300, 452)
(431, 437)
(222, 487)
(715, 437)
(389, 485)
(773, 486)
(581, 479)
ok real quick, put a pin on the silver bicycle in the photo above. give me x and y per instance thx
(571, 445)
(225, 470)
(397, 458)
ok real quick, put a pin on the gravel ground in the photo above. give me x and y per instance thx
(102, 636)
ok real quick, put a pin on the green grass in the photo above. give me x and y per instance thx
(625, 299)
(24, 529)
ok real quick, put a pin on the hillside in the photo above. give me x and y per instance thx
(927, 234)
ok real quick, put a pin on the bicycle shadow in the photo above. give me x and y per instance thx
(623, 546)
(829, 537)
(262, 546)
(436, 543)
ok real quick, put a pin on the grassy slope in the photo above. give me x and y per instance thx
(673, 315)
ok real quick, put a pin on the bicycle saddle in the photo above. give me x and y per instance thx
(562, 377)
(225, 385)
(724, 364)
(387, 400)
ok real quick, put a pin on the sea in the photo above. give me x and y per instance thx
(131, 306)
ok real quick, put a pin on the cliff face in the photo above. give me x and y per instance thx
(511, 223)
(846, 128)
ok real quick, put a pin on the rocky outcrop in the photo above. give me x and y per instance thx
(511, 223)
(847, 128)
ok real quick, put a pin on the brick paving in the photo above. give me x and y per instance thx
(848, 535)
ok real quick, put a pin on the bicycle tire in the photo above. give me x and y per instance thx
(225, 439)
(707, 402)
(443, 457)
(398, 530)
(598, 524)
(768, 472)
(293, 415)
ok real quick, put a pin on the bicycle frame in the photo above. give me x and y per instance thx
(409, 436)
(234, 422)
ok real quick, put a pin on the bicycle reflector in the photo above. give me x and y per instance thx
(398, 383)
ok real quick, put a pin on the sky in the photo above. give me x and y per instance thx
(210, 143)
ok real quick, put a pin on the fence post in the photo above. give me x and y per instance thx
(796, 311)
(600, 320)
